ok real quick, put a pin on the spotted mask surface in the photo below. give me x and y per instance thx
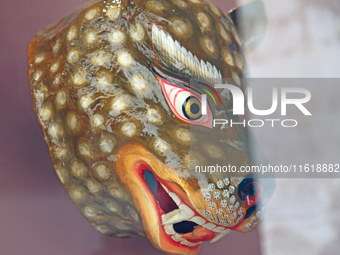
(112, 92)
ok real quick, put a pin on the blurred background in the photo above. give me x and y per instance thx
(302, 41)
(37, 216)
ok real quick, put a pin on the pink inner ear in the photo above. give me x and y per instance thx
(171, 92)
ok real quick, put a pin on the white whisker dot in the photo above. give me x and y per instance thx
(37, 75)
(101, 171)
(236, 78)
(79, 77)
(204, 21)
(72, 33)
(121, 102)
(61, 99)
(180, 4)
(117, 36)
(100, 58)
(215, 9)
(91, 14)
(227, 57)
(113, 12)
(155, 6)
(137, 32)
(74, 122)
(104, 79)
(124, 58)
(40, 58)
(56, 46)
(181, 27)
(154, 116)
(183, 134)
(91, 37)
(46, 112)
(140, 84)
(57, 80)
(56, 131)
(106, 144)
(73, 56)
(161, 145)
(85, 101)
(54, 67)
(97, 121)
(129, 129)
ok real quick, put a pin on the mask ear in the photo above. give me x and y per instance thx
(251, 22)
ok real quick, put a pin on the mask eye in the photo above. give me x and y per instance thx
(192, 108)
(186, 104)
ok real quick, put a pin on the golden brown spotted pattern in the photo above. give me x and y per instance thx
(99, 101)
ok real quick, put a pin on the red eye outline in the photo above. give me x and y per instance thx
(175, 94)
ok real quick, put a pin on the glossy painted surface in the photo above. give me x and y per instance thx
(31, 183)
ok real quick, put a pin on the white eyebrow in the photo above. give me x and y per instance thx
(182, 61)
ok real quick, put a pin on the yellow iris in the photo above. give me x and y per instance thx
(192, 108)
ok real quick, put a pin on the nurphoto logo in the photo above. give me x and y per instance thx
(239, 106)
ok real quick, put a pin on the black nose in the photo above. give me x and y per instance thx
(255, 190)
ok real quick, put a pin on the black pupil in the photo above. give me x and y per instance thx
(194, 108)
(184, 227)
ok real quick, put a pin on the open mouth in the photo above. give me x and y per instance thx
(169, 206)
(180, 222)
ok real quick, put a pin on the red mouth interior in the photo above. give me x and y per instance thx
(166, 203)
(188, 230)
(164, 200)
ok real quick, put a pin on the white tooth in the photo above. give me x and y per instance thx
(227, 231)
(169, 229)
(177, 238)
(177, 216)
(175, 198)
(195, 244)
(190, 213)
(169, 215)
(209, 226)
(218, 229)
(198, 220)
(165, 188)
(185, 242)
(220, 235)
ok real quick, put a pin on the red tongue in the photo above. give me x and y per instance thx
(164, 200)
(200, 234)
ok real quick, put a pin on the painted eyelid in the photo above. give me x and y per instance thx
(175, 83)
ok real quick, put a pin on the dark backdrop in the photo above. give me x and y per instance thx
(36, 215)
